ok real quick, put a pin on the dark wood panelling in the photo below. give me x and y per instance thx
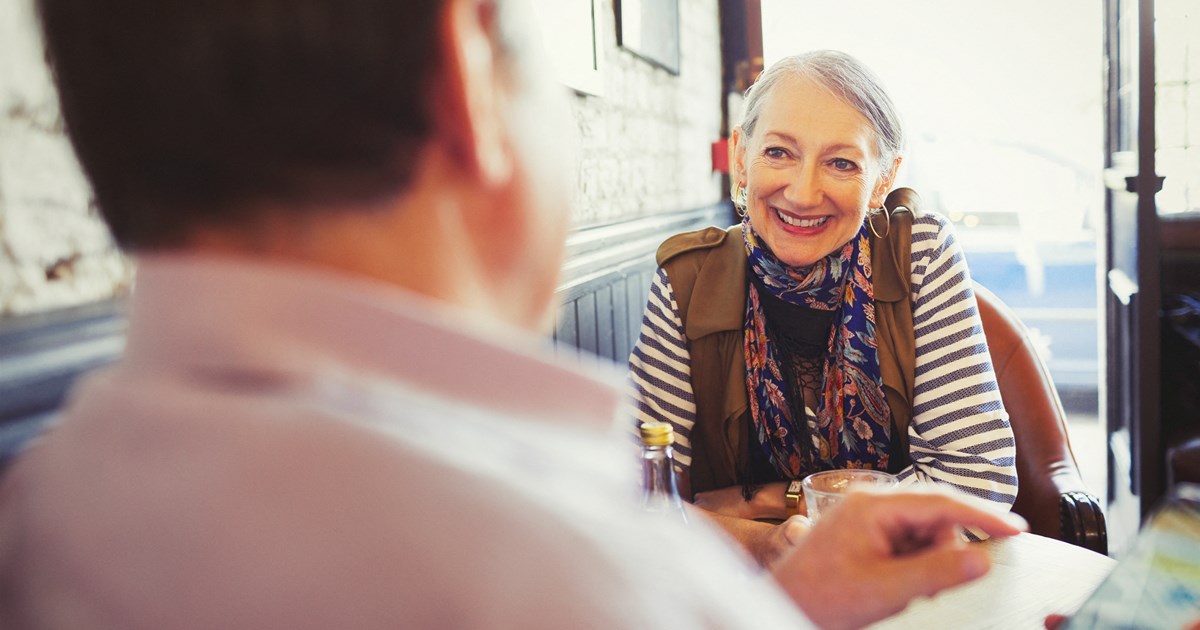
(605, 338)
(607, 276)
(566, 332)
(605, 281)
(1180, 234)
(623, 327)
(41, 355)
(585, 318)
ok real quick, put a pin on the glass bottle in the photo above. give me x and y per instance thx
(661, 494)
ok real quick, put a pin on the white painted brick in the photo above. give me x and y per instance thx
(54, 250)
(653, 143)
(644, 142)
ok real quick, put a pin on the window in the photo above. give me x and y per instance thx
(1177, 102)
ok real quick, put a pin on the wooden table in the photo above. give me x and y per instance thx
(1031, 577)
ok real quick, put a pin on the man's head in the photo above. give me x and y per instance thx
(247, 118)
(185, 112)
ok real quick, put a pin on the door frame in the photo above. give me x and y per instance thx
(1131, 259)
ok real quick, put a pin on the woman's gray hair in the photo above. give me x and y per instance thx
(845, 77)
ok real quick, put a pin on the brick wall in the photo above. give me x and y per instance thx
(645, 141)
(645, 151)
(54, 251)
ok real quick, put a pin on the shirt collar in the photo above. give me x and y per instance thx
(214, 313)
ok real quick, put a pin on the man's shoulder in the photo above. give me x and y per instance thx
(455, 522)
(291, 507)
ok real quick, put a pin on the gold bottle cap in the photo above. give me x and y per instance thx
(657, 434)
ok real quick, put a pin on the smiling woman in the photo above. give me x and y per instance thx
(811, 167)
(761, 343)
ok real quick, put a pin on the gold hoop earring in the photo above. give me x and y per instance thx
(739, 197)
(887, 217)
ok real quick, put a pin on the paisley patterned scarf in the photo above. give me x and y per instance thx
(852, 427)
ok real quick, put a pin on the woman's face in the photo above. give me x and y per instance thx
(811, 171)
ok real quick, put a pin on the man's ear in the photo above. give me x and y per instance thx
(468, 103)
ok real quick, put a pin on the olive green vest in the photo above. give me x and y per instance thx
(711, 264)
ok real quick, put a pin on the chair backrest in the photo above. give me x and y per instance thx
(1050, 486)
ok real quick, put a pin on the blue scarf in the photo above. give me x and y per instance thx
(852, 428)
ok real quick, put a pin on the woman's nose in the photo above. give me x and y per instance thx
(804, 187)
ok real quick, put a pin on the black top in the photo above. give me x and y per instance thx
(801, 334)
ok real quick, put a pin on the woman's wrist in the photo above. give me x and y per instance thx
(769, 501)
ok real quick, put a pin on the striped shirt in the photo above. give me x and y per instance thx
(959, 434)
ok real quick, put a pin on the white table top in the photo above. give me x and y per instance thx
(1031, 577)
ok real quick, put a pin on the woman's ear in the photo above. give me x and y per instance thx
(738, 148)
(469, 96)
(884, 185)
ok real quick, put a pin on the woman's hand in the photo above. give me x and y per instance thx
(765, 542)
(780, 540)
(767, 502)
(742, 519)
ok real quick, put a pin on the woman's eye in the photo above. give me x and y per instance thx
(775, 152)
(843, 164)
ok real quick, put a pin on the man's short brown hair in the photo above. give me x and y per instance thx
(188, 112)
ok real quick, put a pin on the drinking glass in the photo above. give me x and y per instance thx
(823, 489)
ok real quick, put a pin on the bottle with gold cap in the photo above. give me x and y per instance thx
(658, 471)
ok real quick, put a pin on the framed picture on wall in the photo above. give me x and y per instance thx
(650, 30)
(569, 33)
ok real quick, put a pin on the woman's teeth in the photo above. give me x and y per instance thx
(804, 223)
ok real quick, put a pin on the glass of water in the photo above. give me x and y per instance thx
(823, 489)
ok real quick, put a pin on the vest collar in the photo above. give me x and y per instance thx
(888, 285)
(723, 275)
(719, 295)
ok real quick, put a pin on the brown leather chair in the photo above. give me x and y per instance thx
(1051, 495)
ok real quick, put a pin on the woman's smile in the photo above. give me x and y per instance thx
(802, 226)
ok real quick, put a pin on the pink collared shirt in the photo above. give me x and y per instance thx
(283, 447)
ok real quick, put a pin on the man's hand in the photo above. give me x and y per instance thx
(873, 553)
